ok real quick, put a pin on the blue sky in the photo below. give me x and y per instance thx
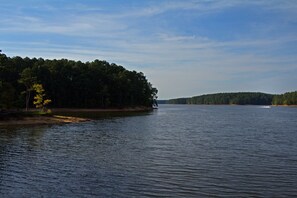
(184, 47)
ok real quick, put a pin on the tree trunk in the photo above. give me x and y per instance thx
(28, 93)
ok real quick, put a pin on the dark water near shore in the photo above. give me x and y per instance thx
(176, 151)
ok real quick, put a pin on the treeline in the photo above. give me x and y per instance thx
(240, 98)
(289, 98)
(73, 84)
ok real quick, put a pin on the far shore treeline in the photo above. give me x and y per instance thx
(72, 84)
(240, 98)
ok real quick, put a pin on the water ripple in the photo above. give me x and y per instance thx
(178, 151)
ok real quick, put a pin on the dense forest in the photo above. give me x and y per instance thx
(72, 84)
(289, 98)
(241, 98)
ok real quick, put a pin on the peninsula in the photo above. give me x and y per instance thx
(68, 86)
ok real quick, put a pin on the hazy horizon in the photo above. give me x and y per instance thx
(185, 48)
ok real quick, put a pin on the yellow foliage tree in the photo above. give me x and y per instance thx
(39, 100)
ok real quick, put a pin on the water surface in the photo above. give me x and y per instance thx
(176, 151)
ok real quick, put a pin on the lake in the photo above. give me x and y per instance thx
(175, 151)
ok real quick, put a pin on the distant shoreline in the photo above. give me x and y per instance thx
(238, 98)
(284, 105)
(233, 105)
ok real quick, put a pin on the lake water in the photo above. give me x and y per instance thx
(175, 151)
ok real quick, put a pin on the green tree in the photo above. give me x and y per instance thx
(241, 98)
(7, 95)
(27, 79)
(74, 84)
(289, 98)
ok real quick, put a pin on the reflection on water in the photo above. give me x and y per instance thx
(179, 151)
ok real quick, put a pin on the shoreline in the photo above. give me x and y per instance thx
(21, 118)
(284, 105)
(134, 109)
(41, 120)
(235, 105)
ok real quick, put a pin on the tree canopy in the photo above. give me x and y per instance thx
(73, 84)
(289, 98)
